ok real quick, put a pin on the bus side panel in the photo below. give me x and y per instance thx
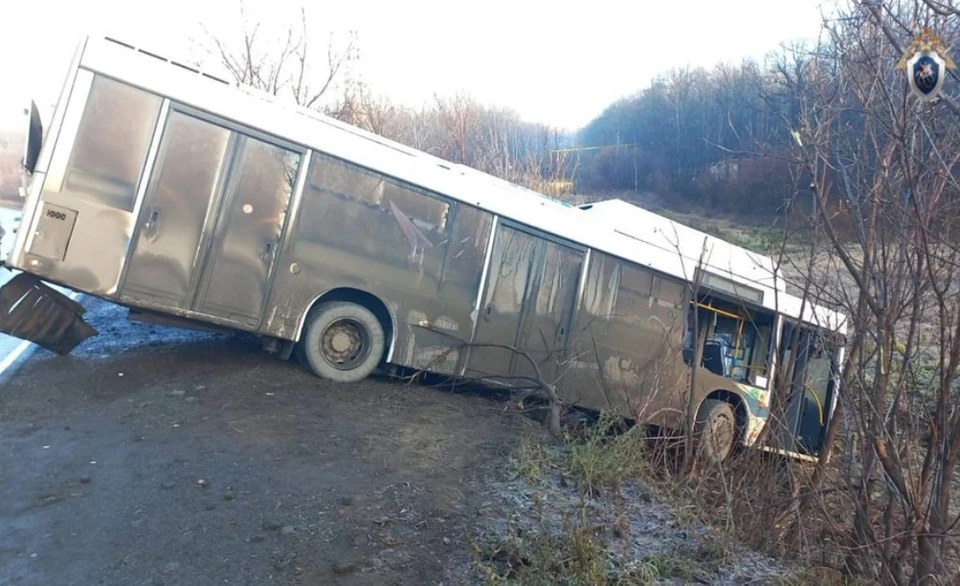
(626, 342)
(420, 254)
(84, 217)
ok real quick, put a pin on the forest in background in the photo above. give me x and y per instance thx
(710, 141)
(714, 140)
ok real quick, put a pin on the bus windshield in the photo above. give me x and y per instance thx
(735, 339)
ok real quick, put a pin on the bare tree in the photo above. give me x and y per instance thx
(456, 128)
(285, 63)
(863, 140)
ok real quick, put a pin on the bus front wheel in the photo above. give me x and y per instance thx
(716, 430)
(342, 341)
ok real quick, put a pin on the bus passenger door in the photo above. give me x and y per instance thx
(236, 277)
(546, 332)
(505, 298)
(819, 379)
(162, 267)
(811, 389)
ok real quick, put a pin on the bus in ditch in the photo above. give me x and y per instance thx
(200, 203)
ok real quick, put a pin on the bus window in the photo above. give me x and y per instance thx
(345, 182)
(420, 220)
(736, 340)
(111, 146)
(399, 231)
(425, 212)
(463, 266)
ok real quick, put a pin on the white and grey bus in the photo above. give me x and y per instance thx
(199, 203)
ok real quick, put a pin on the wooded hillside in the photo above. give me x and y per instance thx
(697, 134)
(693, 136)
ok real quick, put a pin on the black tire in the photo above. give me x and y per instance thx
(342, 341)
(716, 430)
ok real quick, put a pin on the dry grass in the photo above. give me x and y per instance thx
(601, 459)
(627, 520)
(574, 556)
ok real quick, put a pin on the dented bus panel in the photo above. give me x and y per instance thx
(199, 203)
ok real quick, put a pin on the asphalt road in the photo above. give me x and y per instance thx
(154, 456)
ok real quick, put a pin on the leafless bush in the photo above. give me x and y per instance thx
(896, 160)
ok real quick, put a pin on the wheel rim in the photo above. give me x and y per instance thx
(720, 435)
(345, 344)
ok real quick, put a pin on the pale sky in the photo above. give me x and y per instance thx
(553, 62)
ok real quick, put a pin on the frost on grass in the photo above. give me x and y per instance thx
(582, 513)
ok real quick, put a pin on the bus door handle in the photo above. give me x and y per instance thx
(486, 313)
(150, 226)
(267, 254)
(152, 219)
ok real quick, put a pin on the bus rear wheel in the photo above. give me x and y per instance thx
(342, 341)
(716, 428)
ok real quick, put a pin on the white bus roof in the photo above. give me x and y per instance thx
(740, 264)
(688, 245)
(630, 239)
